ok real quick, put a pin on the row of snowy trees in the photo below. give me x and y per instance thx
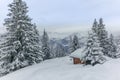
(51, 50)
(106, 42)
(99, 44)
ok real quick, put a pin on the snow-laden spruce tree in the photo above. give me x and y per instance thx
(112, 49)
(93, 50)
(103, 36)
(21, 47)
(95, 27)
(45, 46)
(75, 43)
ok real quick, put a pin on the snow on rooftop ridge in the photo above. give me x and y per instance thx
(79, 53)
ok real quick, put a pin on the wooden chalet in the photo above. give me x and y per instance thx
(77, 56)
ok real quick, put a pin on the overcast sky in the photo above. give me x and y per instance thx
(69, 14)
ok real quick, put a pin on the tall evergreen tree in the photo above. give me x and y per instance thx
(75, 43)
(95, 27)
(20, 48)
(103, 36)
(45, 46)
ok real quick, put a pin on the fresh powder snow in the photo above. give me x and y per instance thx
(64, 69)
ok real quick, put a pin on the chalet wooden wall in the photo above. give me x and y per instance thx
(77, 61)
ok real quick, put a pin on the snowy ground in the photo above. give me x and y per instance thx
(63, 69)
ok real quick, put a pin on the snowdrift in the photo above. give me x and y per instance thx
(63, 69)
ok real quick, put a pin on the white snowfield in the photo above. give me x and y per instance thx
(63, 69)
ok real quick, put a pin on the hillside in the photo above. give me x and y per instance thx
(63, 69)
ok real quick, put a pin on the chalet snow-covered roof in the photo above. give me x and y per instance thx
(79, 53)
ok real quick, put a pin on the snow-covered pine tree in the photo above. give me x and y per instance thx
(75, 43)
(94, 54)
(45, 46)
(112, 47)
(103, 36)
(95, 27)
(20, 49)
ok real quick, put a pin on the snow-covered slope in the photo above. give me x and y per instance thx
(63, 69)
